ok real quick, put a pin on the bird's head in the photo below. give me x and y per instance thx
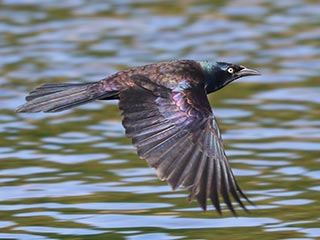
(219, 74)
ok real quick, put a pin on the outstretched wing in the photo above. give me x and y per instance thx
(176, 132)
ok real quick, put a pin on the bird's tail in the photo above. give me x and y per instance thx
(55, 97)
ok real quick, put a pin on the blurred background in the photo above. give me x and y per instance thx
(74, 175)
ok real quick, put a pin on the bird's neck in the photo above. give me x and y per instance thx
(211, 77)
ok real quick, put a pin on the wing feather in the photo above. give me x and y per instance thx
(176, 132)
(176, 176)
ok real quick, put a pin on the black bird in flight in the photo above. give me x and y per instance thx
(167, 115)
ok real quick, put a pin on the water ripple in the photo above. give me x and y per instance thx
(27, 171)
(285, 145)
(112, 221)
(60, 231)
(65, 173)
(304, 94)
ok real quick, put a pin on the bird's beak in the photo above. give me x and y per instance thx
(247, 72)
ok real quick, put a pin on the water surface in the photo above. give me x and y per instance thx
(74, 175)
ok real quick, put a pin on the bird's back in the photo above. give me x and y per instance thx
(168, 74)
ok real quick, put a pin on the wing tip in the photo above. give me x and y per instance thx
(217, 204)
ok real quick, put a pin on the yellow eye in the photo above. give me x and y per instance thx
(230, 70)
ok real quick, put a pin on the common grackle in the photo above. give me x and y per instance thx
(167, 115)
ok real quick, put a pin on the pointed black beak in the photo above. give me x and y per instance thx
(247, 72)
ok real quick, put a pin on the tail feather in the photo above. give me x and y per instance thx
(50, 88)
(58, 97)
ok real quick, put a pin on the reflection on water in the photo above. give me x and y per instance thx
(75, 175)
(115, 221)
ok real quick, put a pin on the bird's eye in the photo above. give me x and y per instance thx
(230, 70)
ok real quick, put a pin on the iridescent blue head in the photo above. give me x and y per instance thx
(219, 74)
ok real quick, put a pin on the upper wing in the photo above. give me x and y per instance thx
(176, 132)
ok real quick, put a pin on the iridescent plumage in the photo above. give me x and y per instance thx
(167, 115)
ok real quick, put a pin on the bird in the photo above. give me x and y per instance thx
(167, 115)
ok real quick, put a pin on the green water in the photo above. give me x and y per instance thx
(74, 175)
